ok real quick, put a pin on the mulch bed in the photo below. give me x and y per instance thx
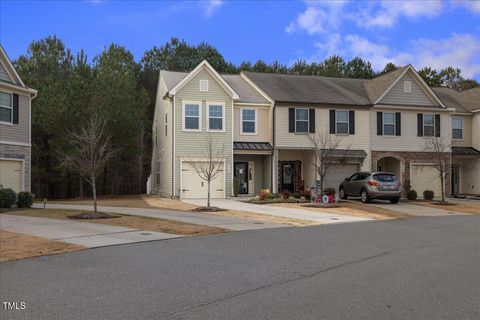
(93, 215)
(208, 209)
(323, 205)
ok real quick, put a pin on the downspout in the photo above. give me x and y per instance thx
(173, 147)
(273, 155)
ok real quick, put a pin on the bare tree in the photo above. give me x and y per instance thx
(439, 149)
(327, 152)
(90, 151)
(209, 163)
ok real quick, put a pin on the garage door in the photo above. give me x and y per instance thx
(337, 173)
(11, 174)
(424, 177)
(193, 187)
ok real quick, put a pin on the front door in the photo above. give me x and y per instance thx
(455, 178)
(288, 177)
(240, 170)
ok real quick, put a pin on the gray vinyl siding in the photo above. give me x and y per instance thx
(191, 144)
(3, 74)
(261, 170)
(397, 96)
(17, 132)
(267, 172)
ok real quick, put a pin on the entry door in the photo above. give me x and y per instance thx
(241, 172)
(455, 178)
(288, 177)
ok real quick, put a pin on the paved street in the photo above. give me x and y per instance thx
(419, 268)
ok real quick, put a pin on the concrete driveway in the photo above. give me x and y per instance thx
(321, 217)
(86, 234)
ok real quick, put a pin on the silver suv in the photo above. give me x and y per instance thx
(371, 185)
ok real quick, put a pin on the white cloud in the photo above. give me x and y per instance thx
(209, 7)
(319, 17)
(472, 5)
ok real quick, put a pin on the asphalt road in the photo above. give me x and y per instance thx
(421, 268)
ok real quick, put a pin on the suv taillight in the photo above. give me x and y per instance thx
(373, 183)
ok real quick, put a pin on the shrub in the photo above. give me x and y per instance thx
(25, 200)
(307, 194)
(428, 194)
(272, 196)
(296, 196)
(286, 194)
(330, 191)
(264, 194)
(8, 198)
(412, 194)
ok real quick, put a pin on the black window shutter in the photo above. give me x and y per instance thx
(332, 121)
(379, 123)
(398, 124)
(291, 119)
(15, 108)
(311, 118)
(420, 124)
(351, 122)
(437, 125)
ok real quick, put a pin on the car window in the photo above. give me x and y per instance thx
(363, 176)
(353, 177)
(384, 177)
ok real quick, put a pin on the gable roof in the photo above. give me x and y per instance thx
(311, 89)
(449, 98)
(470, 99)
(11, 69)
(464, 101)
(378, 86)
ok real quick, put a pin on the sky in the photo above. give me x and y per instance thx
(423, 33)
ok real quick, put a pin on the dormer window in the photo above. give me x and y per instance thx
(407, 86)
(204, 85)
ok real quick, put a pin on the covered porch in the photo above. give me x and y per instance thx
(465, 171)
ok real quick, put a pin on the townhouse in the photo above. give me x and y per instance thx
(263, 122)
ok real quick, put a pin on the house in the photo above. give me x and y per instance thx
(264, 121)
(15, 127)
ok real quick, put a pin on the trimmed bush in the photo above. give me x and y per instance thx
(330, 191)
(428, 194)
(8, 198)
(25, 200)
(412, 194)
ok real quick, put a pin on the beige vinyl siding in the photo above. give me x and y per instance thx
(3, 74)
(359, 141)
(191, 144)
(476, 130)
(307, 158)
(262, 122)
(397, 96)
(469, 175)
(17, 132)
(466, 140)
(408, 141)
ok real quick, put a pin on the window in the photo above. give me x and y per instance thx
(388, 123)
(158, 172)
(428, 125)
(301, 120)
(191, 119)
(204, 85)
(166, 124)
(407, 86)
(215, 117)
(249, 117)
(6, 109)
(341, 122)
(457, 128)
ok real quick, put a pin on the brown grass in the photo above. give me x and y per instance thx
(264, 218)
(135, 222)
(464, 207)
(15, 246)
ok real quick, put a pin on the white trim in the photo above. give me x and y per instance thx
(255, 132)
(394, 124)
(13, 143)
(407, 86)
(423, 124)
(203, 81)
(8, 107)
(212, 72)
(174, 155)
(416, 108)
(19, 88)
(348, 121)
(11, 66)
(23, 169)
(308, 120)
(207, 114)
(462, 128)
(199, 103)
(239, 104)
(462, 114)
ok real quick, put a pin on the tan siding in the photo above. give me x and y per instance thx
(191, 144)
(267, 172)
(476, 130)
(469, 176)
(263, 125)
(397, 96)
(408, 141)
(308, 164)
(18, 132)
(466, 141)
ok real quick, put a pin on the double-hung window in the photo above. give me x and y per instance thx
(428, 125)
(341, 122)
(6, 108)
(249, 121)
(389, 123)
(457, 128)
(191, 119)
(301, 120)
(215, 117)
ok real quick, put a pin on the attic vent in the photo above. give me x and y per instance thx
(407, 86)
(204, 85)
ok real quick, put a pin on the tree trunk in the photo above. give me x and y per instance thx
(94, 190)
(442, 181)
(81, 193)
(140, 158)
(208, 194)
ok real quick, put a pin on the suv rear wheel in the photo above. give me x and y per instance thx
(394, 200)
(343, 194)
(364, 196)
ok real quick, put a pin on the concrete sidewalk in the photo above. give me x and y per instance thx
(86, 234)
(321, 217)
(230, 223)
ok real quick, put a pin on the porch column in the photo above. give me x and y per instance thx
(275, 171)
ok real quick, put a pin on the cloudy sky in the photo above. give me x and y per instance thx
(434, 33)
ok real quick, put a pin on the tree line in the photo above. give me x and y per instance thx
(122, 91)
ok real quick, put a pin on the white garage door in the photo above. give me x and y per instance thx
(193, 187)
(424, 177)
(337, 173)
(11, 174)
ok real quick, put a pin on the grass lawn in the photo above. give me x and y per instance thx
(136, 222)
(465, 207)
(15, 246)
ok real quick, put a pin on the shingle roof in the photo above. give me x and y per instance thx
(449, 98)
(470, 99)
(465, 151)
(377, 86)
(464, 101)
(172, 78)
(311, 89)
(255, 146)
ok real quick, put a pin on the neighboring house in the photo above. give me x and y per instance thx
(15, 127)
(383, 123)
